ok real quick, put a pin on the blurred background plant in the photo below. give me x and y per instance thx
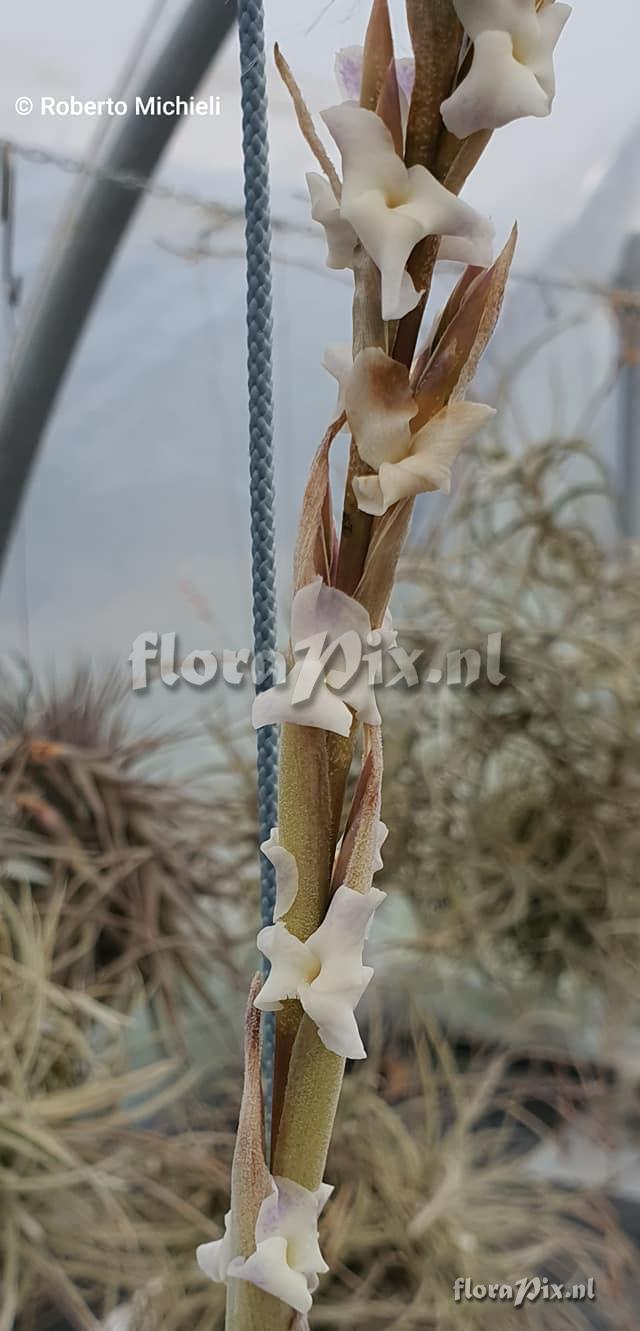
(151, 875)
(81, 1182)
(514, 806)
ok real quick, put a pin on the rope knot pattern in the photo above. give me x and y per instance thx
(260, 375)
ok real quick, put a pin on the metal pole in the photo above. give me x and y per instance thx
(99, 217)
(628, 281)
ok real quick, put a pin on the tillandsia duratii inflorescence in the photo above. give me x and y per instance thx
(409, 132)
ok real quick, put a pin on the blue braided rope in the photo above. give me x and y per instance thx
(259, 339)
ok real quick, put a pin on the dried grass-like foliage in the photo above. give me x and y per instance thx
(109, 1179)
(150, 868)
(514, 808)
(81, 1184)
(428, 1188)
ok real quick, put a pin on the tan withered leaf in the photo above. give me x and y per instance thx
(316, 542)
(250, 1180)
(389, 110)
(454, 362)
(449, 312)
(247, 1306)
(387, 539)
(457, 158)
(436, 35)
(408, 329)
(305, 121)
(378, 55)
(494, 283)
(355, 863)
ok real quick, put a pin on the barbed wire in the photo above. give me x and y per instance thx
(618, 298)
(127, 179)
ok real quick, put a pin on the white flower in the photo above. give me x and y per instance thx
(391, 208)
(341, 237)
(287, 1260)
(427, 466)
(382, 832)
(324, 623)
(214, 1258)
(286, 869)
(120, 1319)
(454, 250)
(380, 408)
(338, 360)
(512, 71)
(326, 972)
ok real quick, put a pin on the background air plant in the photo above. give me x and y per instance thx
(521, 851)
(389, 216)
(431, 1168)
(109, 1178)
(68, 1141)
(139, 859)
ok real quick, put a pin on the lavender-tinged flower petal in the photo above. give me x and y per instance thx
(293, 1211)
(348, 71)
(318, 694)
(287, 1260)
(321, 609)
(512, 72)
(406, 74)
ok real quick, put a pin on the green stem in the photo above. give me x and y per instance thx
(309, 1110)
(304, 815)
